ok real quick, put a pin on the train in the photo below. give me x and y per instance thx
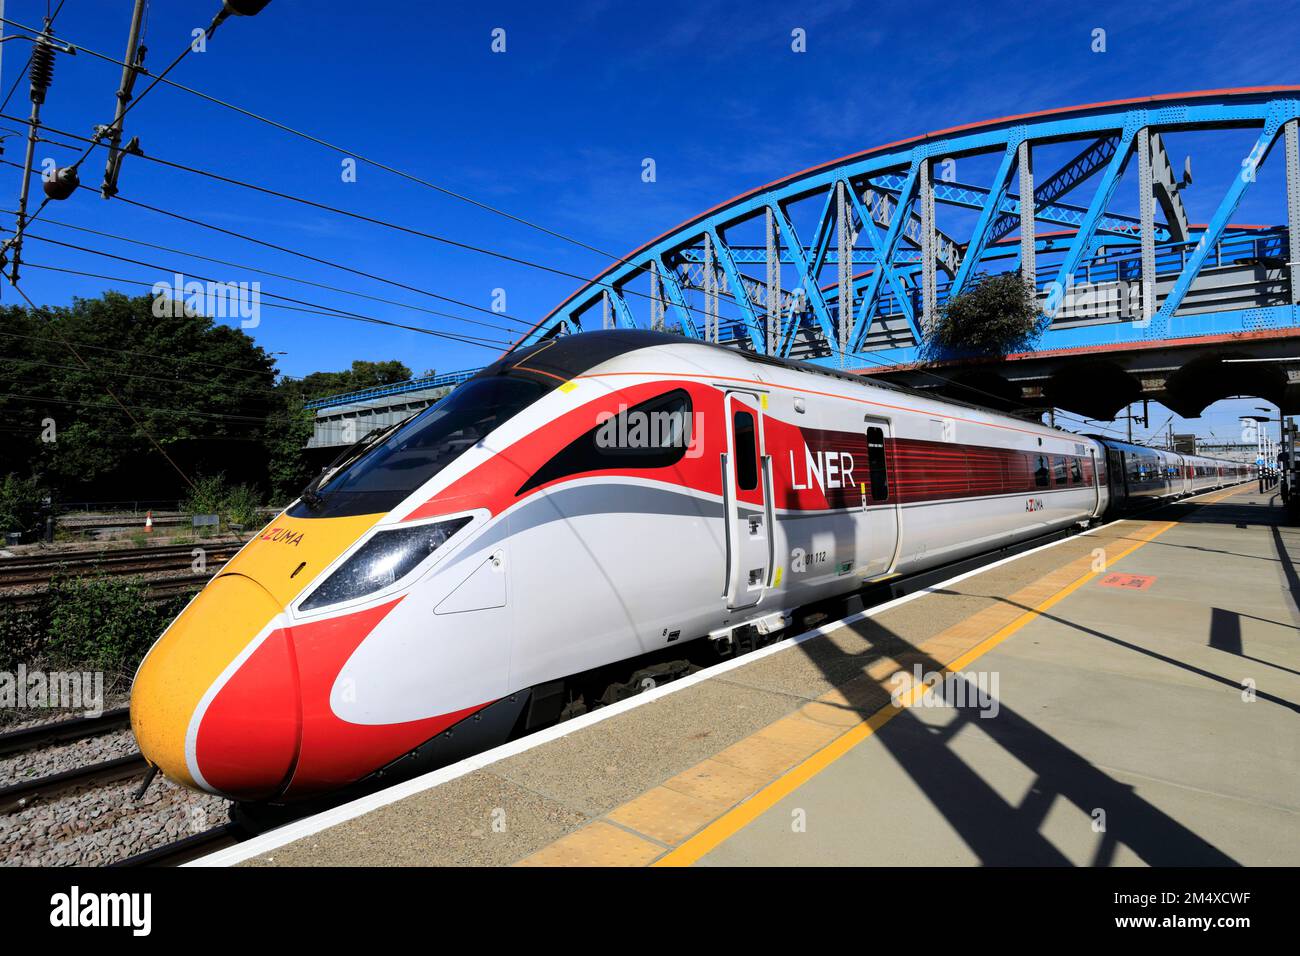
(596, 499)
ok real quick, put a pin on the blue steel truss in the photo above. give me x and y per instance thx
(900, 265)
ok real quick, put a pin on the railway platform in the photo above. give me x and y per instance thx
(1125, 696)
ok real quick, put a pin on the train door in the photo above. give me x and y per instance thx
(747, 501)
(879, 500)
(1096, 483)
(1117, 473)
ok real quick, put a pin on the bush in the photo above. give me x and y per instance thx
(998, 314)
(21, 503)
(206, 497)
(241, 507)
(235, 505)
(93, 623)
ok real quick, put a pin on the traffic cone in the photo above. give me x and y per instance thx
(148, 521)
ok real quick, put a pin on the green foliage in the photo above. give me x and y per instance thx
(103, 622)
(21, 501)
(209, 396)
(362, 375)
(287, 468)
(212, 495)
(241, 507)
(97, 623)
(996, 315)
(173, 371)
(207, 495)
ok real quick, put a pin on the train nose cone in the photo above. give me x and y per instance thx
(215, 704)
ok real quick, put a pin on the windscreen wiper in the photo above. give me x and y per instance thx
(310, 495)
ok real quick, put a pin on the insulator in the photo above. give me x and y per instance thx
(42, 69)
(62, 184)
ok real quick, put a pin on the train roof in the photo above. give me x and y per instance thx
(1134, 446)
(567, 356)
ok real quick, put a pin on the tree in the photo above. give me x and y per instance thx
(996, 315)
(208, 395)
(203, 391)
(361, 376)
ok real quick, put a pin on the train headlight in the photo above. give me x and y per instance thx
(383, 560)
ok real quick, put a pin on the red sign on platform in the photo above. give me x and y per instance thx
(1129, 582)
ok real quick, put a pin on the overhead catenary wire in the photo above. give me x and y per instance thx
(523, 323)
(277, 275)
(315, 307)
(117, 373)
(121, 116)
(371, 220)
(284, 127)
(245, 237)
(305, 307)
(183, 360)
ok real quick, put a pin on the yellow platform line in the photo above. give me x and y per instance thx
(682, 819)
(741, 816)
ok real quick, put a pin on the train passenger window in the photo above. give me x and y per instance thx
(1076, 472)
(655, 433)
(1042, 477)
(746, 451)
(876, 463)
(1058, 467)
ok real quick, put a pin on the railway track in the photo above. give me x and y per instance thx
(167, 569)
(19, 796)
(160, 590)
(63, 731)
(22, 793)
(187, 848)
(28, 570)
(85, 807)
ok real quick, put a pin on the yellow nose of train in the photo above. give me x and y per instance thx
(178, 681)
(217, 703)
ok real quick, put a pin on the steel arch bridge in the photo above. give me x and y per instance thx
(847, 262)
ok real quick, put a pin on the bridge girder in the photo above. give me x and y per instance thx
(1157, 275)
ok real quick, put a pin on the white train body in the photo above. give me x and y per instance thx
(583, 502)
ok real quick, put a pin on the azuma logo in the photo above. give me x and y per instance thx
(283, 535)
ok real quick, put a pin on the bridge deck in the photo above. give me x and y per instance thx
(1117, 731)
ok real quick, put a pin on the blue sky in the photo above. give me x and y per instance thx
(555, 130)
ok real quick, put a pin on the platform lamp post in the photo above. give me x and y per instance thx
(1261, 460)
(1270, 450)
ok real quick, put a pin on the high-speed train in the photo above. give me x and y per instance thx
(590, 500)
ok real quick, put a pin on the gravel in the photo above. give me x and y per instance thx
(98, 824)
(103, 824)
